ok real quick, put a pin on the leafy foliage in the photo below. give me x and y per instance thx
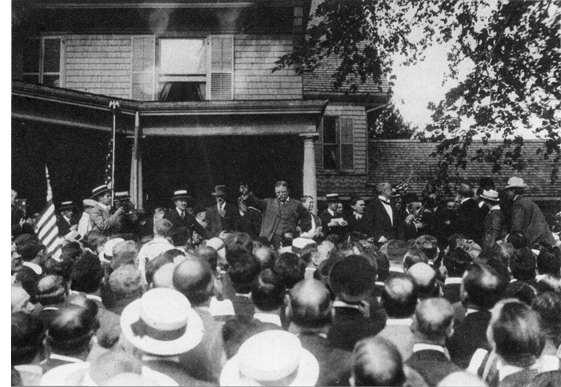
(388, 124)
(515, 83)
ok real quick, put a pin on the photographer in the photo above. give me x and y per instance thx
(130, 220)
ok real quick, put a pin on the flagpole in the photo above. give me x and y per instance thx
(113, 105)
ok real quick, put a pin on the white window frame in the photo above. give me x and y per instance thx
(41, 73)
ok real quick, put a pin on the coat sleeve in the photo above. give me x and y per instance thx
(517, 221)
(252, 201)
(102, 223)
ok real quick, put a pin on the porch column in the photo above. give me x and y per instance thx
(135, 188)
(309, 168)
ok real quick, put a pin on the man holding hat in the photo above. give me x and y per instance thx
(494, 221)
(381, 216)
(99, 215)
(332, 221)
(221, 216)
(527, 219)
(67, 221)
(181, 220)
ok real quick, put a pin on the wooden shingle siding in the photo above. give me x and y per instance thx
(254, 58)
(99, 64)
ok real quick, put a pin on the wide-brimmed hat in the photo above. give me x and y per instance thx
(271, 358)
(162, 322)
(67, 205)
(123, 196)
(515, 182)
(219, 190)
(332, 197)
(107, 253)
(180, 194)
(352, 279)
(99, 190)
(491, 195)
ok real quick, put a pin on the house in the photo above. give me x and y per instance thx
(198, 104)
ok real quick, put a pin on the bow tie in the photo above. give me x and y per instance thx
(385, 202)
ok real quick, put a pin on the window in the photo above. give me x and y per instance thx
(336, 144)
(195, 69)
(41, 61)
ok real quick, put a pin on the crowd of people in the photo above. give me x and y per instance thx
(400, 291)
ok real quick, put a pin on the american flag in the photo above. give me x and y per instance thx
(45, 224)
(108, 166)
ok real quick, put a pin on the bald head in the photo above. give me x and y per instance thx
(424, 277)
(310, 303)
(462, 379)
(194, 279)
(432, 320)
(399, 296)
(377, 362)
(51, 290)
(163, 278)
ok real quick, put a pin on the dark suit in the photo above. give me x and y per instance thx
(305, 223)
(250, 222)
(468, 337)
(64, 226)
(326, 218)
(357, 225)
(243, 306)
(469, 221)
(218, 223)
(186, 225)
(378, 221)
(350, 326)
(432, 365)
(495, 228)
(528, 220)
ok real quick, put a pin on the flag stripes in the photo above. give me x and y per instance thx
(45, 224)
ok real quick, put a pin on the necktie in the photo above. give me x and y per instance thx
(221, 210)
(182, 214)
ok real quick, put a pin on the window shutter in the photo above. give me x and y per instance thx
(318, 148)
(221, 67)
(143, 67)
(347, 143)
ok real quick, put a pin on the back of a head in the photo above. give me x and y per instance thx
(94, 240)
(28, 246)
(51, 290)
(482, 286)
(523, 265)
(87, 273)
(516, 334)
(462, 379)
(268, 291)
(126, 281)
(517, 240)
(548, 308)
(27, 337)
(124, 253)
(72, 329)
(162, 227)
(110, 364)
(395, 250)
(428, 245)
(465, 191)
(399, 296)
(425, 278)
(457, 261)
(237, 244)
(266, 256)
(71, 250)
(290, 268)
(377, 362)
(432, 320)
(243, 272)
(163, 277)
(549, 261)
(209, 255)
(310, 304)
(193, 278)
(412, 257)
(287, 238)
(154, 264)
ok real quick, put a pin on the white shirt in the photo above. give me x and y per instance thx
(181, 213)
(388, 208)
(357, 215)
(268, 318)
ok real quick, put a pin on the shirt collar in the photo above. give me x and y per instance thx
(399, 321)
(506, 370)
(331, 212)
(103, 206)
(495, 207)
(268, 318)
(464, 200)
(65, 358)
(428, 347)
(384, 200)
(343, 304)
(66, 218)
(33, 266)
(180, 212)
(174, 359)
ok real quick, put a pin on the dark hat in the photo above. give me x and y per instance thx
(180, 194)
(332, 197)
(198, 209)
(410, 197)
(352, 279)
(66, 205)
(219, 190)
(123, 196)
(99, 190)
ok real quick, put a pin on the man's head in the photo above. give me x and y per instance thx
(154, 264)
(219, 194)
(481, 286)
(433, 320)
(20, 300)
(102, 194)
(523, 265)
(208, 254)
(515, 186)
(310, 304)
(237, 244)
(71, 331)
(180, 200)
(163, 277)
(358, 205)
(158, 214)
(28, 246)
(126, 282)
(67, 209)
(125, 253)
(395, 250)
(281, 190)
(428, 245)
(27, 338)
(266, 257)
(193, 278)
(244, 188)
(399, 296)
(308, 203)
(425, 278)
(457, 261)
(376, 362)
(243, 272)
(14, 196)
(290, 268)
(267, 292)
(51, 290)
(465, 191)
(412, 257)
(87, 274)
(332, 201)
(549, 261)
(162, 228)
(385, 190)
(105, 198)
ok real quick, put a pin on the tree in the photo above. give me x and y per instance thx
(515, 83)
(387, 123)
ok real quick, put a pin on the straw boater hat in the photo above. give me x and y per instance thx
(219, 190)
(491, 195)
(180, 194)
(352, 279)
(272, 358)
(66, 205)
(515, 182)
(122, 196)
(332, 197)
(162, 322)
(99, 190)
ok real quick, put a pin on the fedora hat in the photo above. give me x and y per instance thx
(491, 195)
(219, 190)
(180, 194)
(352, 279)
(162, 322)
(99, 190)
(332, 197)
(66, 205)
(515, 182)
(270, 358)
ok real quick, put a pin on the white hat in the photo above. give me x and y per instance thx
(273, 358)
(299, 243)
(515, 182)
(491, 195)
(218, 245)
(107, 252)
(162, 322)
(77, 374)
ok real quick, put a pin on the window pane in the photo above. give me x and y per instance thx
(31, 56)
(182, 91)
(51, 80)
(31, 78)
(330, 157)
(329, 130)
(347, 156)
(182, 56)
(346, 130)
(52, 56)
